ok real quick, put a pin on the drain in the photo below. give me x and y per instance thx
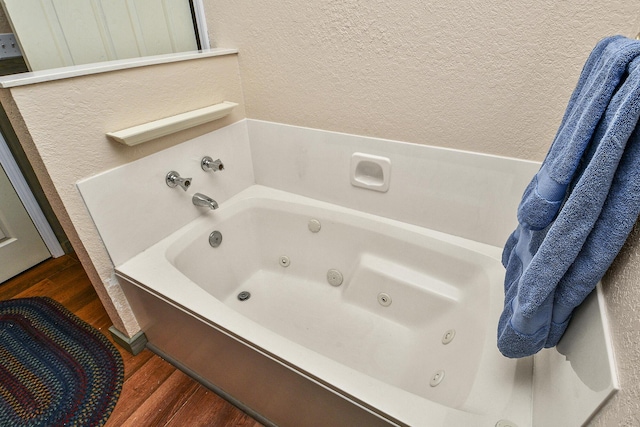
(215, 238)
(384, 299)
(437, 378)
(244, 295)
(334, 277)
(505, 423)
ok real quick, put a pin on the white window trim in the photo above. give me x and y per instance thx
(201, 22)
(34, 77)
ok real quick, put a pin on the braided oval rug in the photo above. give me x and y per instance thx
(55, 369)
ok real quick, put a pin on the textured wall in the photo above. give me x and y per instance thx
(62, 126)
(484, 76)
(623, 302)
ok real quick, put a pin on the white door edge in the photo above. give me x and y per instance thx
(28, 200)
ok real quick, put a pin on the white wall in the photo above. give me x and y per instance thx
(484, 76)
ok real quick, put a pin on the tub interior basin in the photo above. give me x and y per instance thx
(396, 302)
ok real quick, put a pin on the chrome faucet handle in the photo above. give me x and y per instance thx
(208, 164)
(174, 179)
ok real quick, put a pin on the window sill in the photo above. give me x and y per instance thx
(34, 77)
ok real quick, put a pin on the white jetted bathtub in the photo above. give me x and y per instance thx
(309, 313)
(354, 281)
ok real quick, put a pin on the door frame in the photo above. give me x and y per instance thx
(28, 200)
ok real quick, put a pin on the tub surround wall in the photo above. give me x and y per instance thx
(454, 192)
(62, 126)
(154, 210)
(464, 194)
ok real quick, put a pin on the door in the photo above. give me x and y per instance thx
(20, 244)
(59, 33)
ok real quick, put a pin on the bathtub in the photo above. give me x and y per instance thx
(352, 318)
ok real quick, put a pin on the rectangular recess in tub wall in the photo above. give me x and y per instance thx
(371, 172)
(145, 132)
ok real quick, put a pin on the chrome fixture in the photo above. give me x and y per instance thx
(174, 179)
(208, 164)
(215, 239)
(200, 199)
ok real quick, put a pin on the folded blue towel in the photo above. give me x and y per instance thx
(577, 211)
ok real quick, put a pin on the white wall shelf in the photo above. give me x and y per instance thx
(145, 132)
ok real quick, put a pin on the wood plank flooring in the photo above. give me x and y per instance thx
(154, 392)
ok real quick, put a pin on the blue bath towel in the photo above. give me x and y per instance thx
(579, 208)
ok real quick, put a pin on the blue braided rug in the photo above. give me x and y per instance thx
(55, 369)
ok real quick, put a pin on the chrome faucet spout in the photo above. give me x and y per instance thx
(200, 199)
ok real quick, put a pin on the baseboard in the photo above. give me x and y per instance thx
(133, 345)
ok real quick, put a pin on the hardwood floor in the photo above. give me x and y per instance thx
(154, 392)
